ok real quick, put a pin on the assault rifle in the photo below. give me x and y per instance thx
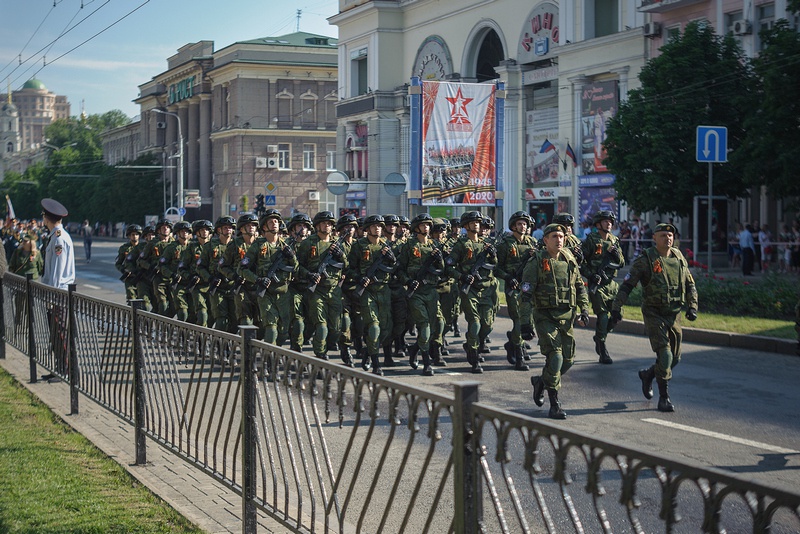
(520, 268)
(600, 276)
(328, 261)
(480, 263)
(175, 281)
(278, 264)
(377, 265)
(425, 270)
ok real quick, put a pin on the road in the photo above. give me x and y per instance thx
(735, 409)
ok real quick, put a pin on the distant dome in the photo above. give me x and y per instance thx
(33, 83)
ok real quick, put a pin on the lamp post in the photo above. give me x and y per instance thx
(180, 154)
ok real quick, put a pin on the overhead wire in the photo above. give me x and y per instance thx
(19, 55)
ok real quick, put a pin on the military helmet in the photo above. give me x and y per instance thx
(247, 218)
(455, 221)
(202, 223)
(133, 228)
(299, 218)
(604, 215)
(564, 218)
(323, 216)
(470, 216)
(488, 222)
(419, 219)
(439, 225)
(373, 219)
(149, 229)
(348, 219)
(164, 222)
(271, 213)
(360, 222)
(225, 220)
(404, 221)
(182, 225)
(391, 219)
(519, 216)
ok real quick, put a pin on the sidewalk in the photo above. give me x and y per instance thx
(195, 495)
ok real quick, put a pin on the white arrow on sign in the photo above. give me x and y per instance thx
(709, 133)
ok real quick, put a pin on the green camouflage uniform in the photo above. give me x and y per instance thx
(124, 259)
(169, 270)
(242, 293)
(424, 303)
(221, 312)
(144, 288)
(595, 250)
(192, 283)
(511, 254)
(22, 264)
(149, 261)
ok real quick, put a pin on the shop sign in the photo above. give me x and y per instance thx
(539, 34)
(182, 90)
(541, 193)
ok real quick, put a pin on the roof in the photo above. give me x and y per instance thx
(33, 83)
(312, 40)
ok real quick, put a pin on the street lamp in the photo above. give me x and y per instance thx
(180, 154)
(57, 148)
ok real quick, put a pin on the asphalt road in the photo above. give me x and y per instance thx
(735, 409)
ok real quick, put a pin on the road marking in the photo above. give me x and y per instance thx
(725, 437)
(90, 286)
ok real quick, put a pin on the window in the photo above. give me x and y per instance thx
(284, 157)
(730, 19)
(309, 155)
(10, 147)
(358, 69)
(606, 17)
(330, 157)
(673, 33)
(309, 111)
(766, 19)
(225, 157)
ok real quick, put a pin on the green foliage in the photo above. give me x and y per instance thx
(699, 78)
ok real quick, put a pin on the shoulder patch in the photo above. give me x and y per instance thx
(525, 287)
(627, 277)
(245, 261)
(58, 249)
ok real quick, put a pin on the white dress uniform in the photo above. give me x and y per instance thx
(59, 254)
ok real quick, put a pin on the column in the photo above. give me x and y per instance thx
(511, 74)
(577, 141)
(204, 142)
(192, 134)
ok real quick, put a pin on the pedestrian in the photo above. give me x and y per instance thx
(59, 254)
(748, 249)
(552, 294)
(765, 241)
(87, 232)
(603, 254)
(667, 286)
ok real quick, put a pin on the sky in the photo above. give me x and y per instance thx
(106, 71)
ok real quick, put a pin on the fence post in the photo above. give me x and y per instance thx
(249, 464)
(31, 333)
(2, 322)
(140, 440)
(468, 492)
(72, 355)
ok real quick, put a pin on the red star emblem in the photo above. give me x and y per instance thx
(458, 108)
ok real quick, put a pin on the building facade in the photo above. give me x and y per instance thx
(37, 108)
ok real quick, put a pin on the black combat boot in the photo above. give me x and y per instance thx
(600, 349)
(538, 390)
(484, 346)
(647, 376)
(436, 355)
(400, 346)
(365, 361)
(445, 352)
(388, 361)
(509, 351)
(519, 361)
(473, 360)
(427, 370)
(376, 365)
(456, 331)
(322, 356)
(413, 350)
(555, 407)
(295, 347)
(664, 404)
(346, 355)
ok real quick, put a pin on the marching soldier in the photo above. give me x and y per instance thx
(419, 265)
(513, 252)
(371, 262)
(451, 304)
(603, 256)
(471, 263)
(299, 228)
(395, 236)
(188, 271)
(667, 285)
(242, 293)
(149, 261)
(220, 302)
(169, 270)
(571, 241)
(125, 258)
(144, 289)
(444, 287)
(552, 292)
(268, 265)
(321, 262)
(352, 328)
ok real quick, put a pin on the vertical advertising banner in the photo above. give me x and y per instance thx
(599, 103)
(458, 144)
(541, 166)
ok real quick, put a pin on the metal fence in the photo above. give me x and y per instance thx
(325, 448)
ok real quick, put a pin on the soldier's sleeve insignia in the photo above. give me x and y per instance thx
(417, 253)
(469, 253)
(245, 261)
(525, 287)
(58, 233)
(162, 260)
(221, 261)
(242, 252)
(59, 249)
(450, 260)
(627, 277)
(313, 251)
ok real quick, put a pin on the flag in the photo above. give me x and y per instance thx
(571, 155)
(10, 207)
(547, 146)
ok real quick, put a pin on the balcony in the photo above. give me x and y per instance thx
(662, 6)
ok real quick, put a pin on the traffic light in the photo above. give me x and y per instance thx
(260, 208)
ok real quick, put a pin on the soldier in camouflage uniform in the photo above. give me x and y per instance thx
(144, 288)
(188, 270)
(603, 256)
(667, 286)
(395, 236)
(220, 312)
(299, 228)
(268, 265)
(552, 292)
(419, 266)
(150, 260)
(439, 232)
(513, 253)
(471, 262)
(169, 270)
(371, 262)
(321, 261)
(125, 258)
(26, 259)
(352, 328)
(451, 303)
(242, 292)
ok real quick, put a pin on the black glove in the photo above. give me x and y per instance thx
(584, 317)
(511, 283)
(264, 282)
(388, 256)
(364, 281)
(413, 285)
(491, 251)
(316, 278)
(288, 252)
(337, 253)
(691, 314)
(467, 279)
(578, 253)
(597, 279)
(527, 332)
(436, 253)
(612, 249)
(616, 317)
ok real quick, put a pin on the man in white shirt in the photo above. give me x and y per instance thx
(59, 254)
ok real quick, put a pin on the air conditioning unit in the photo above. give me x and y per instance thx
(161, 125)
(261, 163)
(742, 27)
(272, 149)
(652, 29)
(313, 195)
(272, 163)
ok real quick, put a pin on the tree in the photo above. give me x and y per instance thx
(700, 78)
(771, 148)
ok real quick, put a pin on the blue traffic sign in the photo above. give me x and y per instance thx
(269, 200)
(182, 211)
(712, 144)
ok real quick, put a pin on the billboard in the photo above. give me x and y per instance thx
(599, 103)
